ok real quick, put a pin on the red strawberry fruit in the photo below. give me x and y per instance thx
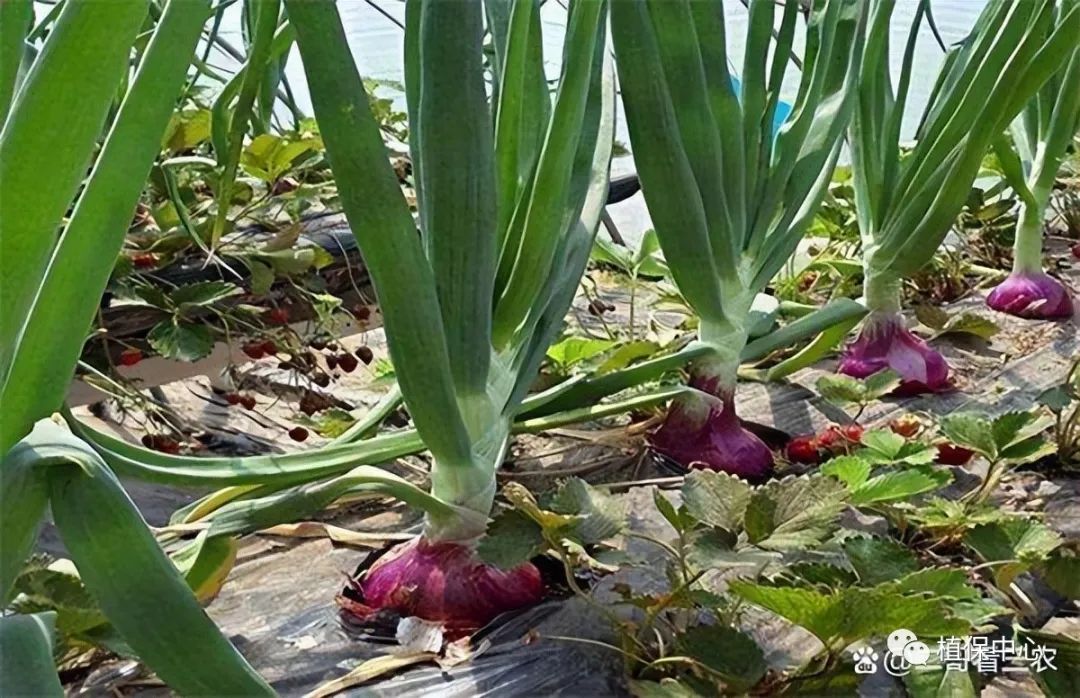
(279, 316)
(803, 449)
(254, 350)
(144, 260)
(951, 454)
(853, 433)
(130, 356)
(298, 434)
(365, 354)
(347, 362)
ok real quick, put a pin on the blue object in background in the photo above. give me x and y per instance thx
(782, 107)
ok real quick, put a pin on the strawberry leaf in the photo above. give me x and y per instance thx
(716, 499)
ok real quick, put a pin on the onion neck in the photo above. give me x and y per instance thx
(717, 372)
(468, 486)
(1027, 249)
(881, 293)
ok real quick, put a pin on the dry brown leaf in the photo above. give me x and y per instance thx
(316, 529)
(371, 669)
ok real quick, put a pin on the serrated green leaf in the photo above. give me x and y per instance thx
(854, 613)
(853, 471)
(820, 573)
(262, 277)
(601, 516)
(202, 293)
(899, 485)
(627, 354)
(1007, 427)
(917, 453)
(1055, 399)
(40, 589)
(329, 423)
(841, 390)
(714, 549)
(937, 682)
(877, 560)
(1014, 538)
(794, 513)
(181, 341)
(518, 495)
(883, 443)
(186, 130)
(605, 251)
(153, 296)
(1063, 575)
(512, 538)
(971, 430)
(716, 498)
(933, 317)
(938, 581)
(1028, 450)
(668, 510)
(728, 652)
(881, 383)
(970, 323)
(574, 350)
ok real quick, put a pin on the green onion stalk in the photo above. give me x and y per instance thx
(729, 201)
(906, 203)
(509, 196)
(72, 167)
(1042, 137)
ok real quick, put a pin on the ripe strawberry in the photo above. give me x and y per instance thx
(907, 425)
(317, 344)
(365, 354)
(144, 260)
(361, 312)
(248, 401)
(331, 361)
(279, 316)
(254, 350)
(161, 442)
(951, 454)
(298, 434)
(598, 307)
(321, 379)
(853, 433)
(130, 356)
(284, 186)
(232, 398)
(269, 347)
(830, 436)
(803, 449)
(347, 362)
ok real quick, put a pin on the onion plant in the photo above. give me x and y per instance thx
(1042, 137)
(906, 201)
(60, 231)
(509, 198)
(730, 202)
